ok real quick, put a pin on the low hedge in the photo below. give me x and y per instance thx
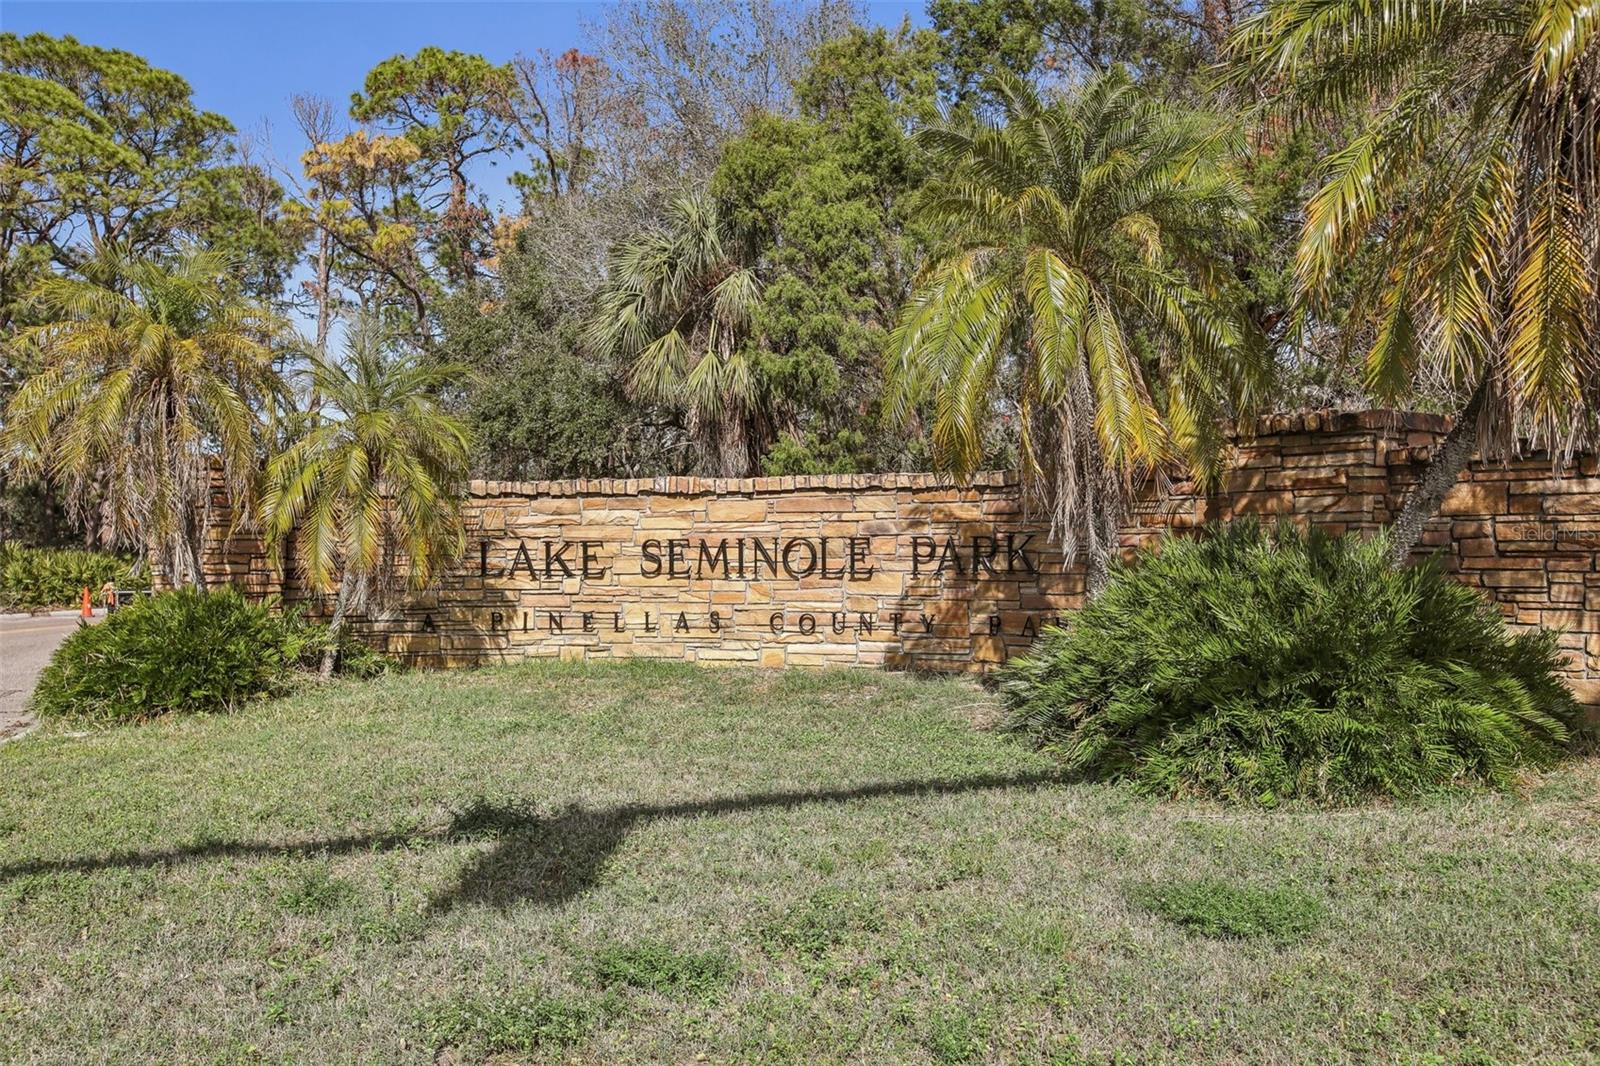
(33, 579)
(1261, 665)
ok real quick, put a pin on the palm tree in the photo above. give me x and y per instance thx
(1472, 181)
(375, 477)
(152, 371)
(1077, 262)
(680, 305)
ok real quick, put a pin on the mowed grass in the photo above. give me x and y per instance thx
(653, 863)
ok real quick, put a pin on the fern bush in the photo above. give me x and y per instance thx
(183, 651)
(32, 579)
(1256, 665)
(178, 651)
(310, 638)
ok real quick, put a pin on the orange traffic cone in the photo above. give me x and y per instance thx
(88, 611)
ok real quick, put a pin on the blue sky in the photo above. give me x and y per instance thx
(245, 59)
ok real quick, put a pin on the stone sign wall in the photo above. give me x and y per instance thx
(909, 570)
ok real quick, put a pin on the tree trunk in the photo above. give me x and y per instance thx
(174, 561)
(1102, 495)
(198, 577)
(183, 558)
(730, 441)
(1098, 572)
(193, 537)
(1103, 548)
(341, 603)
(324, 312)
(324, 296)
(1438, 478)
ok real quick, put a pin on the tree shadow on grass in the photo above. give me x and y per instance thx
(542, 859)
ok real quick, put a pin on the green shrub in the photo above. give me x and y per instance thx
(659, 968)
(33, 579)
(1219, 909)
(187, 650)
(1260, 666)
(178, 651)
(311, 638)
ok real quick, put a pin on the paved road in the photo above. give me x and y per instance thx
(26, 642)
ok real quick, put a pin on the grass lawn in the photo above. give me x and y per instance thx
(651, 863)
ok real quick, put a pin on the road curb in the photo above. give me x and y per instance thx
(16, 731)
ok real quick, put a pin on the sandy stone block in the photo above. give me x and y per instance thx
(1570, 505)
(995, 588)
(1474, 498)
(1555, 486)
(1060, 583)
(882, 582)
(1508, 562)
(666, 524)
(1568, 564)
(736, 511)
(1521, 579)
(1566, 593)
(1305, 480)
(610, 517)
(814, 657)
(540, 527)
(1321, 504)
(1044, 604)
(960, 512)
(727, 655)
(949, 611)
(1483, 546)
(987, 649)
(1587, 692)
(1526, 505)
(807, 503)
(952, 645)
(886, 550)
(546, 507)
(413, 643)
(876, 502)
(1568, 619)
(1263, 503)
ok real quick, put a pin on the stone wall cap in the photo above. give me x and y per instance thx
(1327, 420)
(748, 486)
(1335, 420)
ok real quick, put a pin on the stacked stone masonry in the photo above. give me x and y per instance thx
(913, 571)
